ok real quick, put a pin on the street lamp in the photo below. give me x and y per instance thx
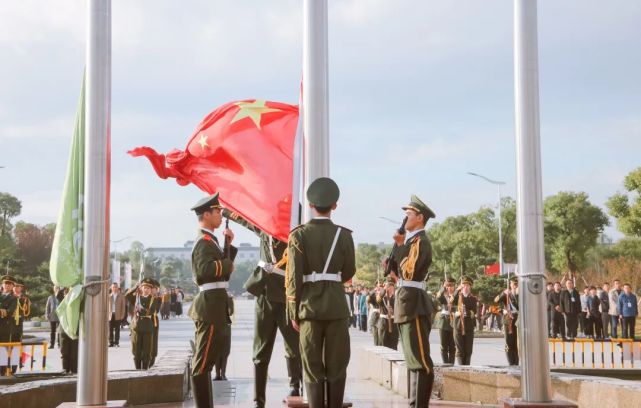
(498, 184)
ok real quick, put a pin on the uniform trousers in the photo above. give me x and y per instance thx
(325, 349)
(211, 340)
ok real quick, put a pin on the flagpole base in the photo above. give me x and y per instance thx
(109, 404)
(519, 403)
(301, 402)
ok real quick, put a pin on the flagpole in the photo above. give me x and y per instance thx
(315, 95)
(92, 359)
(535, 378)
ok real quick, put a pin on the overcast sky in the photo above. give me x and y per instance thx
(421, 92)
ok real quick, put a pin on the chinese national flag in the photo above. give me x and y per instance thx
(244, 151)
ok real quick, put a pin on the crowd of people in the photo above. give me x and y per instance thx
(598, 313)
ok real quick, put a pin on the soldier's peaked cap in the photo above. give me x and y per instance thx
(206, 204)
(323, 192)
(420, 207)
(515, 279)
(450, 280)
(8, 278)
(467, 280)
(147, 282)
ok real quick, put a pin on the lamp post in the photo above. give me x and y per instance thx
(498, 185)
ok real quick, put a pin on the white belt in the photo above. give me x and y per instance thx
(384, 316)
(317, 277)
(213, 285)
(411, 284)
(376, 310)
(445, 312)
(270, 268)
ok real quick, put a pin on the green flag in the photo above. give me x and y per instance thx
(65, 265)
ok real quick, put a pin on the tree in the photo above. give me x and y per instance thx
(368, 264)
(464, 244)
(572, 226)
(487, 287)
(242, 270)
(34, 243)
(10, 207)
(626, 208)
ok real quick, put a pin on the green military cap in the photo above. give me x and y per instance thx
(514, 279)
(467, 280)
(19, 282)
(8, 279)
(420, 207)
(147, 282)
(450, 280)
(155, 282)
(323, 192)
(206, 204)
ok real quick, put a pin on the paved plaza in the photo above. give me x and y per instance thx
(238, 391)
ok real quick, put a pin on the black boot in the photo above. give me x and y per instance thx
(201, 389)
(335, 393)
(423, 390)
(294, 370)
(260, 384)
(223, 369)
(445, 356)
(137, 363)
(413, 378)
(315, 394)
(217, 365)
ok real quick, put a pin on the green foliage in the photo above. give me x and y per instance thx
(368, 264)
(10, 207)
(627, 208)
(464, 244)
(176, 272)
(487, 287)
(572, 226)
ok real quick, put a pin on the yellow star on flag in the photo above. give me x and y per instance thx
(252, 110)
(203, 141)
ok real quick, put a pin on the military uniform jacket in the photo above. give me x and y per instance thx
(446, 314)
(308, 249)
(508, 306)
(208, 264)
(8, 306)
(465, 308)
(272, 285)
(145, 309)
(414, 259)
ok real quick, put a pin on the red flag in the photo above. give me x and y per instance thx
(244, 151)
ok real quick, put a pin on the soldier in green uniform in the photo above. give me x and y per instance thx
(8, 307)
(267, 283)
(464, 321)
(155, 292)
(211, 268)
(509, 302)
(374, 300)
(23, 311)
(320, 259)
(387, 329)
(444, 322)
(143, 323)
(413, 309)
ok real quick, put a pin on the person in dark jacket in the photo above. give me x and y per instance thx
(605, 308)
(593, 316)
(571, 308)
(554, 303)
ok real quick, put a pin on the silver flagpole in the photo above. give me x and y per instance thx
(315, 95)
(535, 379)
(92, 363)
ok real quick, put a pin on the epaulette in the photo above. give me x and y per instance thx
(343, 228)
(297, 228)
